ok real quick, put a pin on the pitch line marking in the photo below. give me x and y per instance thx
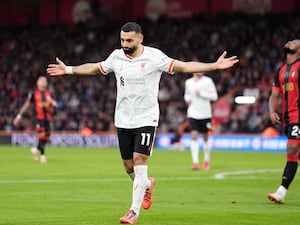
(243, 172)
(100, 180)
(222, 175)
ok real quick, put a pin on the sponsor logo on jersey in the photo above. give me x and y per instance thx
(122, 82)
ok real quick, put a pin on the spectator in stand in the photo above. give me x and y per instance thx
(256, 42)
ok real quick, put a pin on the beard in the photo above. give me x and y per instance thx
(289, 51)
(129, 51)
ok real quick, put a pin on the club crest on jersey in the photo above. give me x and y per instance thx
(293, 73)
(143, 65)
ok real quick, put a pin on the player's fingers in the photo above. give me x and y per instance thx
(59, 61)
(52, 72)
(52, 65)
(277, 120)
(224, 54)
(233, 58)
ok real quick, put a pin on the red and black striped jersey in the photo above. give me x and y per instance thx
(41, 100)
(287, 81)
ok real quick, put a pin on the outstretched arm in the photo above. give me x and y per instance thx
(198, 67)
(61, 69)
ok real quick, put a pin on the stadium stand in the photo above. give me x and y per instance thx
(89, 101)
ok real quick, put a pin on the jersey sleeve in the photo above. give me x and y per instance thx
(276, 83)
(106, 66)
(164, 62)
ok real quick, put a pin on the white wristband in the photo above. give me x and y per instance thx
(69, 69)
(19, 116)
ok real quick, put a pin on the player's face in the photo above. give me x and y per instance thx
(130, 41)
(292, 47)
(42, 83)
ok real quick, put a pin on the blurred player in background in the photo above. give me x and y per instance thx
(138, 70)
(42, 101)
(286, 88)
(200, 90)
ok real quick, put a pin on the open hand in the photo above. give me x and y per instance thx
(224, 63)
(57, 69)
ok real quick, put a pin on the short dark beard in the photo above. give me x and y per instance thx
(289, 51)
(129, 51)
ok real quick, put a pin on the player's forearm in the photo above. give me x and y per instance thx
(210, 95)
(86, 69)
(23, 109)
(273, 101)
(193, 67)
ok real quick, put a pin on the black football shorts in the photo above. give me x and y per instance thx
(139, 140)
(202, 126)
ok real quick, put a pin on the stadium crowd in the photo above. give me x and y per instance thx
(89, 101)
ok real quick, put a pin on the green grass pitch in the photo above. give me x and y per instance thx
(84, 186)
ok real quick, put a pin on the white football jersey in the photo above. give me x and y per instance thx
(200, 106)
(137, 85)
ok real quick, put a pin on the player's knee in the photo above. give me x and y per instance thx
(293, 149)
(140, 159)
